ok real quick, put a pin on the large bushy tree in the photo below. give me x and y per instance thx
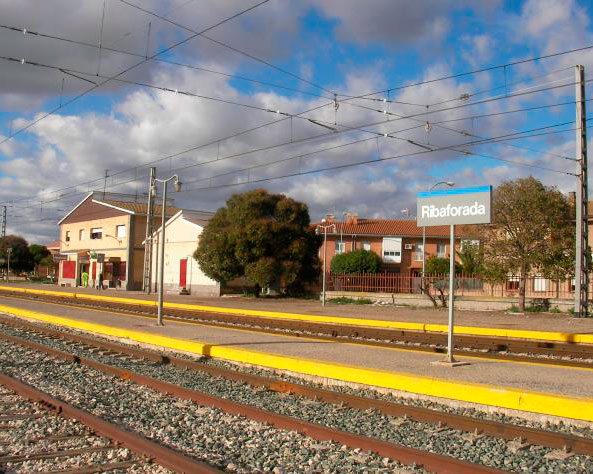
(20, 258)
(264, 237)
(532, 230)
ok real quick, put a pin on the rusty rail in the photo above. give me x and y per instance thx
(555, 440)
(136, 443)
(429, 461)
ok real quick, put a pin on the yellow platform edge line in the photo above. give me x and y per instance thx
(503, 397)
(440, 328)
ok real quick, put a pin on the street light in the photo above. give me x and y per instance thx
(450, 184)
(324, 228)
(8, 252)
(162, 252)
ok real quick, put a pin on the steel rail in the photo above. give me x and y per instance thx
(429, 461)
(134, 442)
(550, 439)
(520, 350)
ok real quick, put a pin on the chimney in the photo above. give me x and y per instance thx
(352, 218)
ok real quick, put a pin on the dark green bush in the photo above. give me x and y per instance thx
(357, 261)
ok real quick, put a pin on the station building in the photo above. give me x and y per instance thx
(397, 242)
(181, 273)
(103, 235)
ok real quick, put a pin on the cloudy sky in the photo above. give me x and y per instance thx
(289, 88)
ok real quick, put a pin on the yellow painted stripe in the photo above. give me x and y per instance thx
(504, 397)
(580, 338)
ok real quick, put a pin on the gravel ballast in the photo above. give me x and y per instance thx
(230, 442)
(484, 450)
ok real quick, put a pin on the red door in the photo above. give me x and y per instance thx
(182, 272)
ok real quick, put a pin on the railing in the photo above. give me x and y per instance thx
(465, 285)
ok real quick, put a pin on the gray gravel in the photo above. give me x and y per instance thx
(486, 450)
(52, 433)
(233, 443)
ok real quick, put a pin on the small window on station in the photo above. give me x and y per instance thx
(120, 231)
(96, 233)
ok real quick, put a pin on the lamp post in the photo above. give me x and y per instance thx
(450, 184)
(8, 252)
(324, 228)
(162, 249)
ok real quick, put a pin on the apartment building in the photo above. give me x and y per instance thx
(397, 242)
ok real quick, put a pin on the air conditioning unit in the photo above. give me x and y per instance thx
(408, 246)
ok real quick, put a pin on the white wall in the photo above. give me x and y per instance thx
(181, 242)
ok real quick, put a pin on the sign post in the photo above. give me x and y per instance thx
(451, 207)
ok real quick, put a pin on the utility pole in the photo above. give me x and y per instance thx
(3, 221)
(146, 277)
(581, 271)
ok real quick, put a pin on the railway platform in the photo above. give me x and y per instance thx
(534, 326)
(543, 391)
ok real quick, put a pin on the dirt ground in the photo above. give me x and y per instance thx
(535, 321)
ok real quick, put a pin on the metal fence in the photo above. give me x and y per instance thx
(465, 285)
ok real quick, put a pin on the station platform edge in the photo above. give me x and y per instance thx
(577, 408)
(550, 336)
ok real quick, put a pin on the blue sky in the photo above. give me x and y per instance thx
(347, 47)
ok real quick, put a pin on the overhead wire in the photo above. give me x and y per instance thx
(232, 48)
(162, 51)
(298, 141)
(434, 148)
(162, 60)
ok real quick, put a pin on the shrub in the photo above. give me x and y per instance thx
(346, 300)
(357, 261)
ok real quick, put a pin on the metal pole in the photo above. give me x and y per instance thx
(148, 243)
(451, 291)
(324, 258)
(8, 252)
(581, 273)
(423, 248)
(3, 221)
(162, 258)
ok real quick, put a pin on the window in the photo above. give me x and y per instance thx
(392, 249)
(96, 233)
(340, 247)
(81, 234)
(513, 282)
(539, 283)
(67, 236)
(366, 245)
(120, 231)
(441, 250)
(418, 254)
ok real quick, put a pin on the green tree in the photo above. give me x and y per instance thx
(264, 237)
(38, 253)
(439, 266)
(357, 261)
(471, 259)
(532, 230)
(20, 257)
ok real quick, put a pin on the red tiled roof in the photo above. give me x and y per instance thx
(387, 228)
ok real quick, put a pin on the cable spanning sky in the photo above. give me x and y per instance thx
(343, 105)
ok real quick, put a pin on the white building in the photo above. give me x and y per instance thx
(182, 232)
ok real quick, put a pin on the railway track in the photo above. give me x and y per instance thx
(542, 352)
(474, 430)
(39, 433)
